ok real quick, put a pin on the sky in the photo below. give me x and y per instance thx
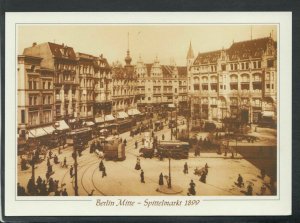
(167, 42)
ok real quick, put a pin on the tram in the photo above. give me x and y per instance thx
(173, 149)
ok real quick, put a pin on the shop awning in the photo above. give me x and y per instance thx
(109, 118)
(99, 119)
(122, 115)
(49, 129)
(90, 123)
(38, 132)
(133, 111)
(61, 125)
(268, 114)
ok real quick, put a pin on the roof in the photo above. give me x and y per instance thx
(182, 71)
(167, 71)
(239, 50)
(56, 50)
(208, 57)
(62, 51)
(250, 48)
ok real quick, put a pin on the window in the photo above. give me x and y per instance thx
(34, 85)
(223, 67)
(247, 65)
(268, 86)
(22, 116)
(149, 98)
(259, 64)
(254, 65)
(231, 66)
(270, 63)
(35, 100)
(235, 66)
(49, 85)
(44, 100)
(30, 85)
(44, 85)
(243, 66)
(196, 87)
(30, 100)
(272, 86)
(49, 99)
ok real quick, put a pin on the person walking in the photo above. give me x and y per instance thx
(101, 165)
(161, 179)
(64, 192)
(136, 144)
(142, 177)
(240, 181)
(163, 137)
(138, 164)
(203, 177)
(65, 162)
(192, 188)
(185, 168)
(71, 171)
(104, 172)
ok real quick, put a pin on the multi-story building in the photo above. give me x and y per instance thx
(159, 85)
(62, 60)
(102, 87)
(238, 81)
(35, 97)
(124, 84)
(85, 69)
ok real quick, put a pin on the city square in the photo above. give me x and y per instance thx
(88, 126)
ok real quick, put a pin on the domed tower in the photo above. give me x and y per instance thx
(128, 59)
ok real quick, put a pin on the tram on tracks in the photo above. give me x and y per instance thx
(173, 149)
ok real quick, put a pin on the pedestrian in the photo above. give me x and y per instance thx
(48, 161)
(163, 137)
(92, 147)
(71, 171)
(21, 190)
(104, 172)
(263, 173)
(206, 168)
(125, 142)
(50, 154)
(65, 162)
(249, 190)
(142, 177)
(203, 177)
(39, 182)
(240, 181)
(101, 165)
(138, 164)
(64, 193)
(192, 188)
(56, 159)
(185, 168)
(263, 189)
(161, 179)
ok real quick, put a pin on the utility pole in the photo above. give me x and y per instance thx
(171, 124)
(169, 182)
(176, 120)
(75, 166)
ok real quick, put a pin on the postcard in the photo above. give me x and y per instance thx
(118, 114)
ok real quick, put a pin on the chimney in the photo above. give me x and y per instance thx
(34, 44)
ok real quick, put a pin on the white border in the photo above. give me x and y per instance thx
(224, 205)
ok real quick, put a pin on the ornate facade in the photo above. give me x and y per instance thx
(160, 84)
(238, 81)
